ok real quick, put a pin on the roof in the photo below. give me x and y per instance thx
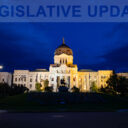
(63, 48)
(72, 65)
(40, 70)
(55, 65)
(68, 65)
(86, 70)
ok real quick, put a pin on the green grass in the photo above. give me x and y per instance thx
(20, 103)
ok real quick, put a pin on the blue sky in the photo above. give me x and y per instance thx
(95, 45)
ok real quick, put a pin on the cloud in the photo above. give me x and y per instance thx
(95, 46)
(116, 59)
(23, 45)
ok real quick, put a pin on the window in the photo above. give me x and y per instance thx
(15, 79)
(102, 77)
(30, 85)
(66, 61)
(25, 79)
(31, 80)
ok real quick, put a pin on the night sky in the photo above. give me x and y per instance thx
(95, 45)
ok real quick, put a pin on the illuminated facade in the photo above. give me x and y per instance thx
(125, 74)
(62, 69)
(6, 77)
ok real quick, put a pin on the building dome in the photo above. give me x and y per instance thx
(63, 48)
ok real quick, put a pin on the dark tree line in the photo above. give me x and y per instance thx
(6, 90)
(116, 85)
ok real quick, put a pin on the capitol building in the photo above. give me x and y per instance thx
(62, 69)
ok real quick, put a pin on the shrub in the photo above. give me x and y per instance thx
(48, 89)
(118, 84)
(93, 87)
(6, 90)
(75, 89)
(38, 87)
(63, 89)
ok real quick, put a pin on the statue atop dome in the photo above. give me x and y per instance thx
(63, 41)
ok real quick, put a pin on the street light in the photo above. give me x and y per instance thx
(1, 67)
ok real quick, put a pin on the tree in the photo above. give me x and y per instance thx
(107, 90)
(93, 87)
(38, 87)
(118, 84)
(46, 83)
(48, 89)
(63, 89)
(75, 89)
(122, 87)
(6, 90)
(113, 81)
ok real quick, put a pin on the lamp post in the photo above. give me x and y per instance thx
(1, 67)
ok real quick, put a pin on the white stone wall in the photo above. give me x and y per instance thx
(36, 77)
(21, 77)
(63, 59)
(123, 75)
(29, 79)
(63, 72)
(6, 77)
(82, 80)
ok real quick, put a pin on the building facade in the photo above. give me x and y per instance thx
(30, 78)
(62, 69)
(125, 74)
(6, 77)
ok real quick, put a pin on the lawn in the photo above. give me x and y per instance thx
(22, 103)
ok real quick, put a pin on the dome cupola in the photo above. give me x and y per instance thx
(63, 49)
